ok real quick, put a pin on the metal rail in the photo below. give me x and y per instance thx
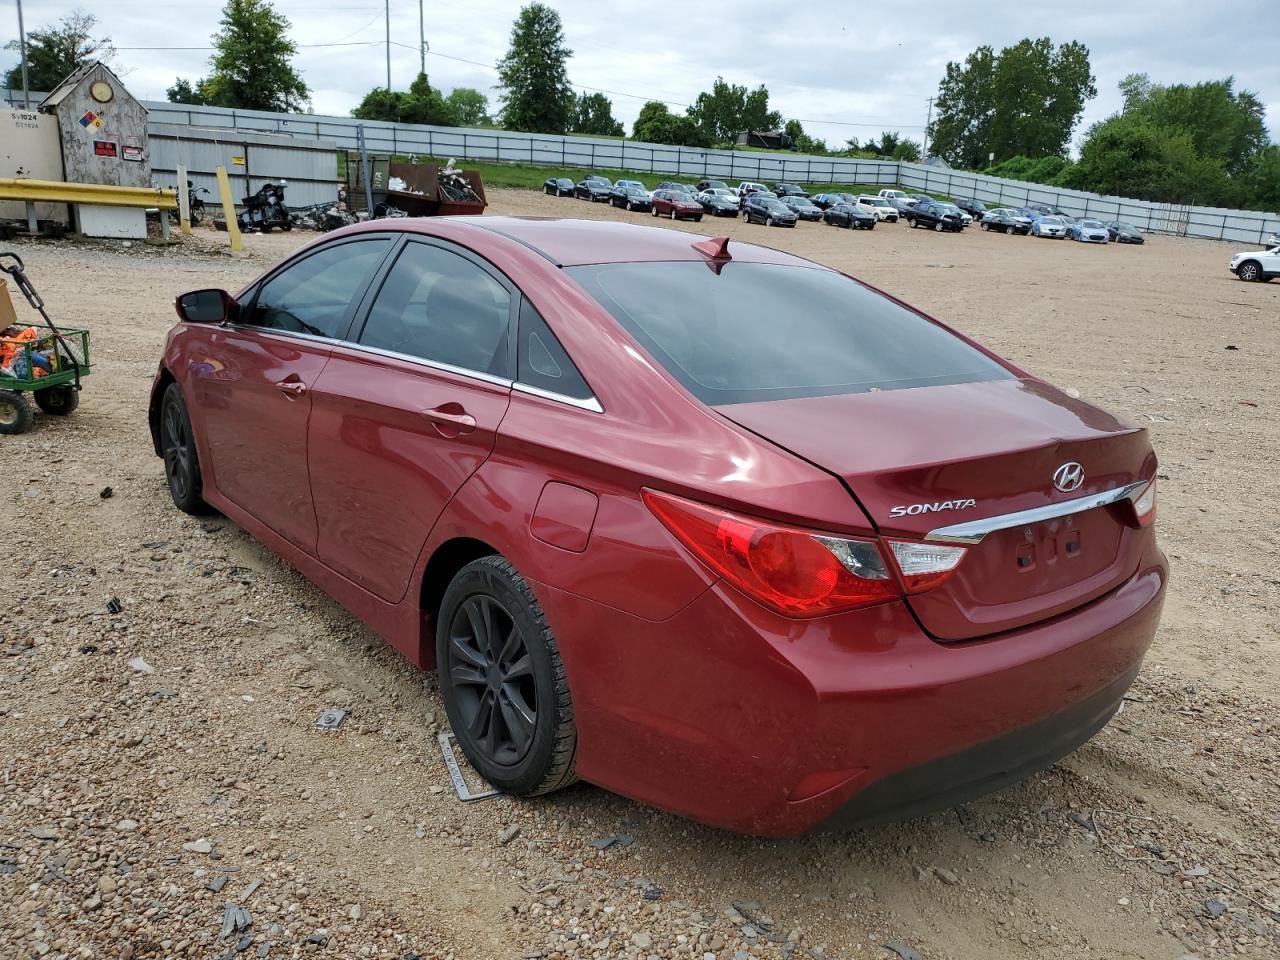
(54, 191)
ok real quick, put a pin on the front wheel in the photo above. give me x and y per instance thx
(984, 227)
(1010, 231)
(16, 415)
(673, 213)
(58, 401)
(768, 221)
(503, 682)
(1249, 271)
(181, 459)
(629, 208)
(911, 222)
(939, 226)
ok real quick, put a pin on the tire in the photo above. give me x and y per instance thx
(628, 206)
(181, 459)
(698, 218)
(197, 215)
(655, 211)
(1250, 271)
(265, 228)
(911, 222)
(58, 401)
(984, 227)
(939, 226)
(287, 226)
(1010, 231)
(16, 415)
(871, 225)
(768, 221)
(547, 191)
(673, 213)
(497, 662)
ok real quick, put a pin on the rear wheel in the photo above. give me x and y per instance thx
(16, 415)
(911, 222)
(673, 213)
(181, 460)
(655, 211)
(502, 680)
(1250, 270)
(59, 401)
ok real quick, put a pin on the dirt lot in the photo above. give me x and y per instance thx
(135, 806)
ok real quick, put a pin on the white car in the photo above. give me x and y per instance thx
(1257, 264)
(879, 206)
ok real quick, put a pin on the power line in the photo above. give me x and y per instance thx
(581, 86)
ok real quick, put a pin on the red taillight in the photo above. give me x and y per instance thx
(1144, 507)
(789, 569)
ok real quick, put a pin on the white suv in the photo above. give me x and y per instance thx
(1257, 264)
(879, 206)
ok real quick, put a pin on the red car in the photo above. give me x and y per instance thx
(700, 522)
(677, 206)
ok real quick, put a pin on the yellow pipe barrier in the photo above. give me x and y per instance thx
(228, 208)
(55, 191)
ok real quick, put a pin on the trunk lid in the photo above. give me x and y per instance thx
(924, 458)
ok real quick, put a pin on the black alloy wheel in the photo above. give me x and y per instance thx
(178, 448)
(503, 682)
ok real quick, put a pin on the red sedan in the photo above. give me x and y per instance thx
(700, 522)
(676, 205)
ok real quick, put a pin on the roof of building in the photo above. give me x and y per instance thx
(60, 92)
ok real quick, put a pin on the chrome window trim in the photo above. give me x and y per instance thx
(974, 530)
(429, 364)
(589, 403)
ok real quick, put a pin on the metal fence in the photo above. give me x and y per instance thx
(251, 159)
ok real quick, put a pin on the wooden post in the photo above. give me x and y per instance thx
(184, 202)
(228, 208)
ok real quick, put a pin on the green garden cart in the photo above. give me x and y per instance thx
(49, 366)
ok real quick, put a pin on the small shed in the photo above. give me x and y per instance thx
(103, 131)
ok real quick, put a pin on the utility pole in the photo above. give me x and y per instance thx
(388, 46)
(924, 148)
(422, 40)
(22, 43)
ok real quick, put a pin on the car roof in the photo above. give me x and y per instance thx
(576, 242)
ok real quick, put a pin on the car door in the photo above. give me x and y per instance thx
(408, 409)
(251, 390)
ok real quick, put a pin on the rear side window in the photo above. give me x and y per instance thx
(314, 294)
(437, 305)
(757, 332)
(541, 362)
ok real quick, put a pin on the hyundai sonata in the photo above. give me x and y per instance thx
(694, 520)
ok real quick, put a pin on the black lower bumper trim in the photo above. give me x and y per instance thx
(959, 777)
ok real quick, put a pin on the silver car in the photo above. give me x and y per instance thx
(1054, 227)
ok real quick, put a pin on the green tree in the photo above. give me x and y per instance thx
(184, 91)
(593, 113)
(728, 109)
(801, 140)
(1184, 143)
(54, 53)
(657, 124)
(251, 61)
(1129, 156)
(534, 74)
(1046, 170)
(1024, 101)
(471, 107)
(421, 104)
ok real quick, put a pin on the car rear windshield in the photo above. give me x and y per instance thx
(753, 332)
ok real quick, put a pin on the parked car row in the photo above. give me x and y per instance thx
(788, 203)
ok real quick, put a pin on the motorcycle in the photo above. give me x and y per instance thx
(266, 210)
(195, 204)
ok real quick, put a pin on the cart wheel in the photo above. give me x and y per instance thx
(16, 415)
(181, 460)
(59, 401)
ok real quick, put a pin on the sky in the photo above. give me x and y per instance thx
(841, 71)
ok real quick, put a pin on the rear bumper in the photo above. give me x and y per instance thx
(958, 777)
(742, 719)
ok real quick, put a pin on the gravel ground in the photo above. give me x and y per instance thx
(166, 792)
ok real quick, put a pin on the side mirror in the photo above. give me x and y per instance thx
(207, 306)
